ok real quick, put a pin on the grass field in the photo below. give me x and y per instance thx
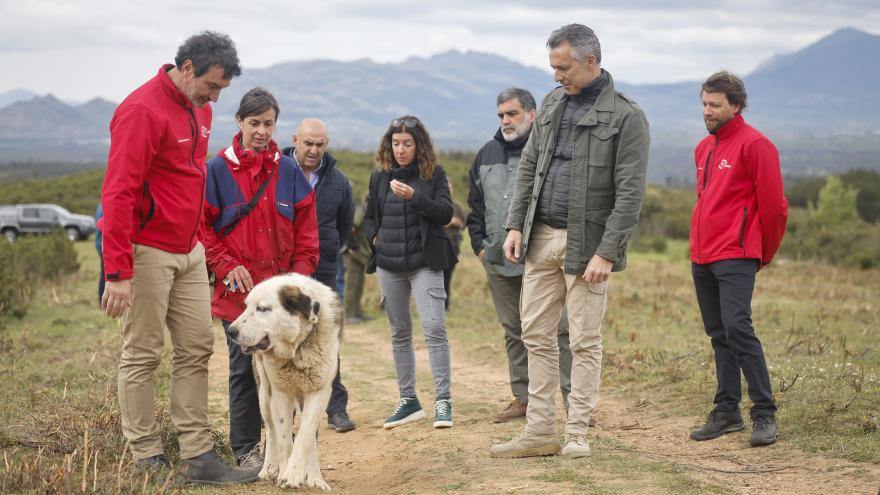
(59, 426)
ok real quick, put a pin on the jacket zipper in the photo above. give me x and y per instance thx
(192, 160)
(146, 195)
(742, 229)
(706, 170)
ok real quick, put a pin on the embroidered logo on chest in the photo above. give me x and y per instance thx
(723, 164)
(205, 132)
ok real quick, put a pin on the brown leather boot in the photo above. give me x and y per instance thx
(514, 410)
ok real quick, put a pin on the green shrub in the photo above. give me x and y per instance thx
(28, 261)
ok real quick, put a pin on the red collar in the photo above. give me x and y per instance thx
(258, 163)
(170, 89)
(731, 127)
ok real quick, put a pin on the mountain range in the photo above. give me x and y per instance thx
(821, 105)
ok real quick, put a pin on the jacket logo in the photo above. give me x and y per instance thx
(723, 164)
(205, 132)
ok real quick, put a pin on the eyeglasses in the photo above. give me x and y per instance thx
(407, 121)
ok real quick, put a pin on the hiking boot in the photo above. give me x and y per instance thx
(515, 410)
(210, 469)
(576, 446)
(443, 413)
(527, 445)
(718, 423)
(251, 460)
(154, 463)
(763, 431)
(340, 422)
(406, 411)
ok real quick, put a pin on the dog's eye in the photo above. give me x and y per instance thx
(262, 309)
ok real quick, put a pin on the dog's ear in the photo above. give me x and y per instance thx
(316, 307)
(294, 301)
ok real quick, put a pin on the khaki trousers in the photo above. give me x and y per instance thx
(167, 289)
(546, 289)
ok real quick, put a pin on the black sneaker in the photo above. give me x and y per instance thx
(763, 431)
(718, 423)
(340, 422)
(210, 469)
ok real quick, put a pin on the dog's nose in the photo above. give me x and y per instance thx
(232, 332)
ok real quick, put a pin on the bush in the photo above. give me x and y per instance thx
(28, 261)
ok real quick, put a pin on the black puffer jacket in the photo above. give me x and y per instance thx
(397, 248)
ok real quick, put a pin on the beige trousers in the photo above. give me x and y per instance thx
(167, 289)
(546, 289)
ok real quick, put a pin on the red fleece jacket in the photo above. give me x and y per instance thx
(741, 210)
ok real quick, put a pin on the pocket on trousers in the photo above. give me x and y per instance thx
(596, 299)
(437, 293)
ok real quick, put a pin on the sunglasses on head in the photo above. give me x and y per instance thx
(407, 121)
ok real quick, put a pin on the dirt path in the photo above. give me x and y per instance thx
(638, 447)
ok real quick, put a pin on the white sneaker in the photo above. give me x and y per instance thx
(576, 446)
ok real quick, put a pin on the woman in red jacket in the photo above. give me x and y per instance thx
(260, 222)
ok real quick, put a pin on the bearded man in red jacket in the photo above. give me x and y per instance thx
(154, 263)
(736, 228)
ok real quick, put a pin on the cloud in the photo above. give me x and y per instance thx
(105, 48)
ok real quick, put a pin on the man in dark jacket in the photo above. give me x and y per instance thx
(492, 178)
(737, 225)
(335, 219)
(152, 198)
(579, 188)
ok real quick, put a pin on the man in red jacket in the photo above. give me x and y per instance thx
(736, 228)
(154, 263)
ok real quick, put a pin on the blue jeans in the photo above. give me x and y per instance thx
(427, 287)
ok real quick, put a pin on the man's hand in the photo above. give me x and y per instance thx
(512, 245)
(116, 298)
(481, 254)
(241, 277)
(598, 270)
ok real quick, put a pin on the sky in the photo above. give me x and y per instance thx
(80, 49)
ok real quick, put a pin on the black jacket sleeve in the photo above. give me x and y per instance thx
(476, 220)
(438, 207)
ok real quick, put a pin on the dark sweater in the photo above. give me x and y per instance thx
(553, 201)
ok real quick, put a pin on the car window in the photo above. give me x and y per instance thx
(29, 213)
(48, 214)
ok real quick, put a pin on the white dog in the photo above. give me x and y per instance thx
(292, 325)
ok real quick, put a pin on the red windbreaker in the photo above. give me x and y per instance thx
(279, 235)
(741, 210)
(155, 182)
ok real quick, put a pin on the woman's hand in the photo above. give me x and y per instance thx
(239, 279)
(402, 190)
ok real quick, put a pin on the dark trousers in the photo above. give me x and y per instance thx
(724, 293)
(339, 396)
(244, 403)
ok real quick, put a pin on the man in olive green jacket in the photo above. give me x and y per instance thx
(579, 188)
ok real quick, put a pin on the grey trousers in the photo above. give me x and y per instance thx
(427, 287)
(506, 296)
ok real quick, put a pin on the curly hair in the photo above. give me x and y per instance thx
(207, 49)
(425, 156)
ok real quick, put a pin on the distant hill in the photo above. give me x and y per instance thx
(821, 105)
(11, 96)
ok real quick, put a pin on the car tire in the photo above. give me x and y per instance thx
(10, 234)
(72, 234)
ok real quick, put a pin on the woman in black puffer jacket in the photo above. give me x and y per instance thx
(408, 206)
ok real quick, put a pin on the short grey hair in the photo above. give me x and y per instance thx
(524, 97)
(582, 39)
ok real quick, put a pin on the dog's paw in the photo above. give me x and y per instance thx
(268, 473)
(317, 483)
